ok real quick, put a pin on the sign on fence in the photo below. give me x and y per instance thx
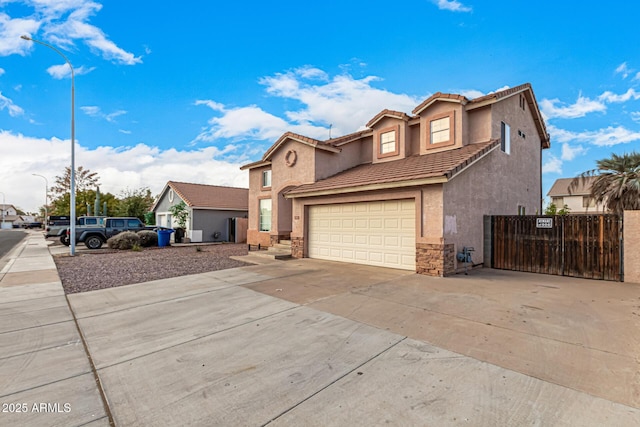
(544, 222)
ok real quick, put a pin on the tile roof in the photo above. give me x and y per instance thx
(561, 187)
(442, 164)
(211, 196)
(388, 113)
(439, 95)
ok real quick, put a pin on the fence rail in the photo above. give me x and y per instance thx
(587, 246)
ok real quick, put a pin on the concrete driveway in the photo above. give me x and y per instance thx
(306, 342)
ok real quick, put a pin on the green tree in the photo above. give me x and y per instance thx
(135, 203)
(180, 214)
(86, 183)
(617, 184)
(552, 209)
(60, 206)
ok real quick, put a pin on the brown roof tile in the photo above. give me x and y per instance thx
(212, 196)
(436, 96)
(442, 164)
(388, 113)
(561, 187)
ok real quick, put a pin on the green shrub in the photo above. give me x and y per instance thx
(148, 238)
(124, 240)
(136, 247)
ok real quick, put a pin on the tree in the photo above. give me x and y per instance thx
(180, 214)
(60, 206)
(552, 209)
(617, 184)
(85, 180)
(135, 203)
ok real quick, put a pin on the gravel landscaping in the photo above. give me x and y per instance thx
(105, 268)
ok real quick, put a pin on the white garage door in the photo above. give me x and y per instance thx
(373, 233)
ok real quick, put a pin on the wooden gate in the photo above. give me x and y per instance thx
(587, 246)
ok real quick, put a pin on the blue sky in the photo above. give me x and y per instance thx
(191, 91)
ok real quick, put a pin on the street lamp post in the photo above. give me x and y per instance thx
(46, 195)
(72, 203)
(3, 207)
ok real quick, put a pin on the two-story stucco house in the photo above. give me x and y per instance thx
(408, 192)
(578, 199)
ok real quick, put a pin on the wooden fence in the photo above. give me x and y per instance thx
(588, 246)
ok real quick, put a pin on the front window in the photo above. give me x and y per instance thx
(265, 214)
(266, 178)
(388, 142)
(441, 130)
(588, 202)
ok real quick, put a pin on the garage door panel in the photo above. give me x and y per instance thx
(375, 233)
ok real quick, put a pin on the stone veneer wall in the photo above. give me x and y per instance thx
(297, 247)
(631, 232)
(435, 259)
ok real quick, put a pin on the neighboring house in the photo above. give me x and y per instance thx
(408, 192)
(9, 215)
(210, 209)
(577, 199)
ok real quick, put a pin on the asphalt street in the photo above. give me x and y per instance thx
(10, 238)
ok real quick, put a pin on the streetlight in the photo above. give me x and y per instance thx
(46, 195)
(3, 207)
(72, 238)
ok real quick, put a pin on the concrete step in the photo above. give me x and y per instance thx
(273, 253)
(281, 246)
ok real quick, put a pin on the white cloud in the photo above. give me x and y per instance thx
(605, 137)
(611, 97)
(62, 71)
(62, 23)
(10, 32)
(119, 168)
(93, 111)
(343, 101)
(624, 70)
(635, 116)
(452, 5)
(553, 108)
(13, 109)
(570, 152)
(2, 71)
(552, 165)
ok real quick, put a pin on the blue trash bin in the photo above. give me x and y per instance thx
(163, 237)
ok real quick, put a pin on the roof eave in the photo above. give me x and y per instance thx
(370, 187)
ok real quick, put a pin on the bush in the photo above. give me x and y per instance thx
(148, 238)
(125, 240)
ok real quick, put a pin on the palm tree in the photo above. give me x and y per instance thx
(616, 183)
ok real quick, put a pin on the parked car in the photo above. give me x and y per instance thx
(56, 224)
(83, 221)
(94, 237)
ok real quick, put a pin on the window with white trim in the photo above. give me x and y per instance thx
(441, 130)
(388, 142)
(505, 138)
(265, 214)
(266, 178)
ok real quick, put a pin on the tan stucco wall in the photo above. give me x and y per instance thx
(631, 232)
(352, 154)
(496, 185)
(404, 142)
(434, 110)
(574, 203)
(479, 124)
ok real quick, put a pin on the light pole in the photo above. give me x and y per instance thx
(72, 207)
(3, 206)
(46, 195)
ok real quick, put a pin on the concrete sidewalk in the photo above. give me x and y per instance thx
(46, 377)
(308, 342)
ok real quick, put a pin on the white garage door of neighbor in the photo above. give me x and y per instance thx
(372, 233)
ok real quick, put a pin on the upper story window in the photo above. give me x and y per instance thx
(440, 130)
(388, 142)
(505, 138)
(266, 178)
(588, 202)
